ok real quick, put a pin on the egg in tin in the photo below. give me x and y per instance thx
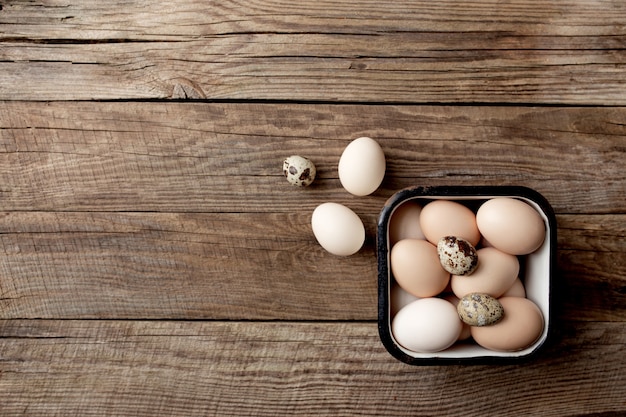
(441, 218)
(516, 290)
(427, 325)
(521, 325)
(398, 298)
(496, 272)
(405, 223)
(415, 266)
(478, 309)
(465, 331)
(511, 225)
(457, 255)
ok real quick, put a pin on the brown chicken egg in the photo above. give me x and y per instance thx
(495, 273)
(521, 325)
(441, 218)
(405, 223)
(415, 266)
(511, 225)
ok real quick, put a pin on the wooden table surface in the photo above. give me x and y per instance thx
(154, 261)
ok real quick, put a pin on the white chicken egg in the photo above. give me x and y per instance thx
(338, 229)
(362, 166)
(427, 325)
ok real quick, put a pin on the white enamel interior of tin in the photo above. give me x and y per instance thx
(536, 282)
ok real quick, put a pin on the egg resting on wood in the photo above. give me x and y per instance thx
(299, 170)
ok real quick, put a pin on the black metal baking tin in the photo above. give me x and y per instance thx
(384, 273)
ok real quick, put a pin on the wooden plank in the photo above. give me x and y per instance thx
(590, 265)
(93, 21)
(192, 266)
(154, 261)
(245, 266)
(521, 51)
(202, 157)
(175, 368)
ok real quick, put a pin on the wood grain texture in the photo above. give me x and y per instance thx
(244, 266)
(98, 368)
(155, 262)
(182, 157)
(178, 210)
(192, 266)
(521, 51)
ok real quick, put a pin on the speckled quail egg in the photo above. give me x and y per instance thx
(457, 256)
(299, 171)
(480, 309)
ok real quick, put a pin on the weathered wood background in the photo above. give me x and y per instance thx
(154, 261)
